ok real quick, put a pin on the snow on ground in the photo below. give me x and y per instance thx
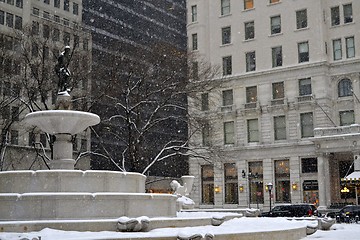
(236, 225)
(338, 231)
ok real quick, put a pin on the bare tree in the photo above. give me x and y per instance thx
(145, 109)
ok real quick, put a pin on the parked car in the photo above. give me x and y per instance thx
(292, 210)
(349, 213)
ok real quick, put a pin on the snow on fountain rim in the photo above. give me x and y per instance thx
(62, 121)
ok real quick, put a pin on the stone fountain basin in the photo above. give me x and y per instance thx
(62, 121)
(91, 181)
(76, 194)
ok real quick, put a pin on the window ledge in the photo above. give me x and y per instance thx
(276, 34)
(226, 45)
(249, 40)
(272, 4)
(225, 15)
(343, 24)
(249, 9)
(301, 29)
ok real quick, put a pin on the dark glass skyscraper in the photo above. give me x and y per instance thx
(129, 36)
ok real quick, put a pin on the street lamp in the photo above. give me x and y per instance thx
(270, 187)
(345, 190)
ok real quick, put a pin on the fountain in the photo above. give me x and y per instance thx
(63, 193)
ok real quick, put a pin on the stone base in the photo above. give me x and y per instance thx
(75, 206)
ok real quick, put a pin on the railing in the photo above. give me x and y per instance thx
(333, 131)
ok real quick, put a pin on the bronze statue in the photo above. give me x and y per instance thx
(62, 70)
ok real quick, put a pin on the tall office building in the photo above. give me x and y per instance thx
(128, 36)
(287, 109)
(32, 35)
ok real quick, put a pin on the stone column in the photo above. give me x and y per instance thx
(324, 180)
(268, 178)
(63, 150)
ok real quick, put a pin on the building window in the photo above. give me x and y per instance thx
(194, 13)
(207, 184)
(14, 137)
(57, 3)
(275, 24)
(56, 18)
(347, 118)
(282, 181)
(303, 51)
(34, 50)
(348, 13)
(225, 7)
(35, 28)
(36, 11)
(307, 125)
(256, 186)
(350, 47)
(2, 17)
(204, 102)
(311, 191)
(205, 132)
(278, 90)
(337, 49)
(11, 2)
(229, 133)
(305, 87)
(46, 31)
(227, 65)
(248, 4)
(231, 183)
(279, 128)
(227, 97)
(253, 130)
(18, 22)
(66, 38)
(335, 16)
(32, 138)
(277, 56)
(301, 19)
(19, 3)
(274, 1)
(56, 34)
(75, 9)
(43, 139)
(226, 35)
(249, 30)
(9, 20)
(66, 5)
(194, 38)
(46, 15)
(66, 22)
(251, 94)
(195, 70)
(345, 88)
(309, 165)
(250, 61)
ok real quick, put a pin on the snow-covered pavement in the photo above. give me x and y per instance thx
(236, 225)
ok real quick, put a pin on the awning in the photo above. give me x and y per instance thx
(353, 178)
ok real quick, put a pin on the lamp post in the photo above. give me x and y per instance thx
(270, 186)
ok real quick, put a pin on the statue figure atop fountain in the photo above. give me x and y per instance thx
(62, 70)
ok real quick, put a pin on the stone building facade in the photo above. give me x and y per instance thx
(285, 107)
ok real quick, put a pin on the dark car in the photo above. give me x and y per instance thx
(349, 213)
(292, 210)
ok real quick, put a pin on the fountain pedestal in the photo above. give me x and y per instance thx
(63, 150)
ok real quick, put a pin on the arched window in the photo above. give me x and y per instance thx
(345, 88)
